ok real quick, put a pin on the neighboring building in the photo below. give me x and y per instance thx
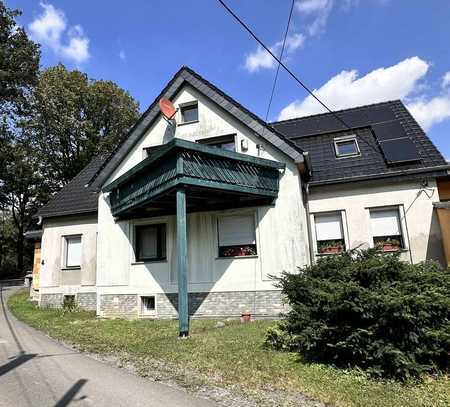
(260, 199)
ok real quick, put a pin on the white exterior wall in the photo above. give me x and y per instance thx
(54, 278)
(419, 224)
(280, 230)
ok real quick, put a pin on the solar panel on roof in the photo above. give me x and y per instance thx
(389, 130)
(399, 150)
(380, 114)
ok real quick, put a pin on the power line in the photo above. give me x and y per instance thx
(298, 80)
(281, 57)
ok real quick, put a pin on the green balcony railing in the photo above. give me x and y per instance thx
(181, 162)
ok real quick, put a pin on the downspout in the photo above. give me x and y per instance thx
(305, 169)
(308, 224)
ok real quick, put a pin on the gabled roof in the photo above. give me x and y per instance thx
(187, 76)
(77, 197)
(315, 134)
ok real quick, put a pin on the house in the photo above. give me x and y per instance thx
(197, 213)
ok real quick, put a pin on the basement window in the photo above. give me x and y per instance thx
(150, 242)
(189, 112)
(148, 305)
(237, 236)
(346, 147)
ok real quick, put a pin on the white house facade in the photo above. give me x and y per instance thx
(207, 207)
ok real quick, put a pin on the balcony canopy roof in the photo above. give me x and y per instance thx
(213, 178)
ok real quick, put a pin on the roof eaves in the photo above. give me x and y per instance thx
(434, 171)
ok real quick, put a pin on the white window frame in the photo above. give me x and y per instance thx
(65, 247)
(147, 313)
(343, 225)
(181, 106)
(343, 139)
(251, 214)
(402, 220)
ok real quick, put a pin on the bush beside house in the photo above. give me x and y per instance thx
(371, 311)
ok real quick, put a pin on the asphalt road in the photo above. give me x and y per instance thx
(37, 371)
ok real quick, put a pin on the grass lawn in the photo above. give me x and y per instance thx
(232, 356)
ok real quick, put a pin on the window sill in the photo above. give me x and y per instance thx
(403, 250)
(136, 263)
(71, 268)
(253, 256)
(186, 123)
(343, 157)
(329, 254)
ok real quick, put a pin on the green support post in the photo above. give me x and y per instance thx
(183, 314)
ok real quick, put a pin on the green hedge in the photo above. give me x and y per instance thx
(371, 311)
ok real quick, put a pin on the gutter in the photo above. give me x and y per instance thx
(445, 167)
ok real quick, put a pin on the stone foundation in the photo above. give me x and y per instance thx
(119, 305)
(223, 304)
(87, 301)
(261, 304)
(51, 300)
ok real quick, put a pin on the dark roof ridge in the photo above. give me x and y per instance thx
(386, 102)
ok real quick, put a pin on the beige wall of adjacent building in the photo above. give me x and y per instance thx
(53, 272)
(420, 225)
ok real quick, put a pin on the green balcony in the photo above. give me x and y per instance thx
(180, 177)
(212, 178)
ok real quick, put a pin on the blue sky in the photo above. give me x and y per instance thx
(352, 52)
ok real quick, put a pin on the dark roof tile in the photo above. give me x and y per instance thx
(315, 134)
(76, 197)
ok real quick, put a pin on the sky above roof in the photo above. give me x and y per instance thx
(351, 52)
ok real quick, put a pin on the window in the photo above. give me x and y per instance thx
(69, 301)
(150, 242)
(189, 112)
(386, 229)
(225, 142)
(147, 305)
(329, 233)
(72, 255)
(346, 146)
(237, 236)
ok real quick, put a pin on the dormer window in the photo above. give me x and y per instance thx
(346, 147)
(189, 112)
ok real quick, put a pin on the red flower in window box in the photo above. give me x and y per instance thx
(331, 248)
(389, 245)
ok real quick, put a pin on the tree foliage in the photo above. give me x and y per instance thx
(19, 62)
(75, 118)
(369, 311)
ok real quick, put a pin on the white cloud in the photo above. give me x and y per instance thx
(346, 89)
(50, 27)
(432, 111)
(320, 11)
(400, 81)
(122, 55)
(260, 58)
(311, 6)
(446, 80)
